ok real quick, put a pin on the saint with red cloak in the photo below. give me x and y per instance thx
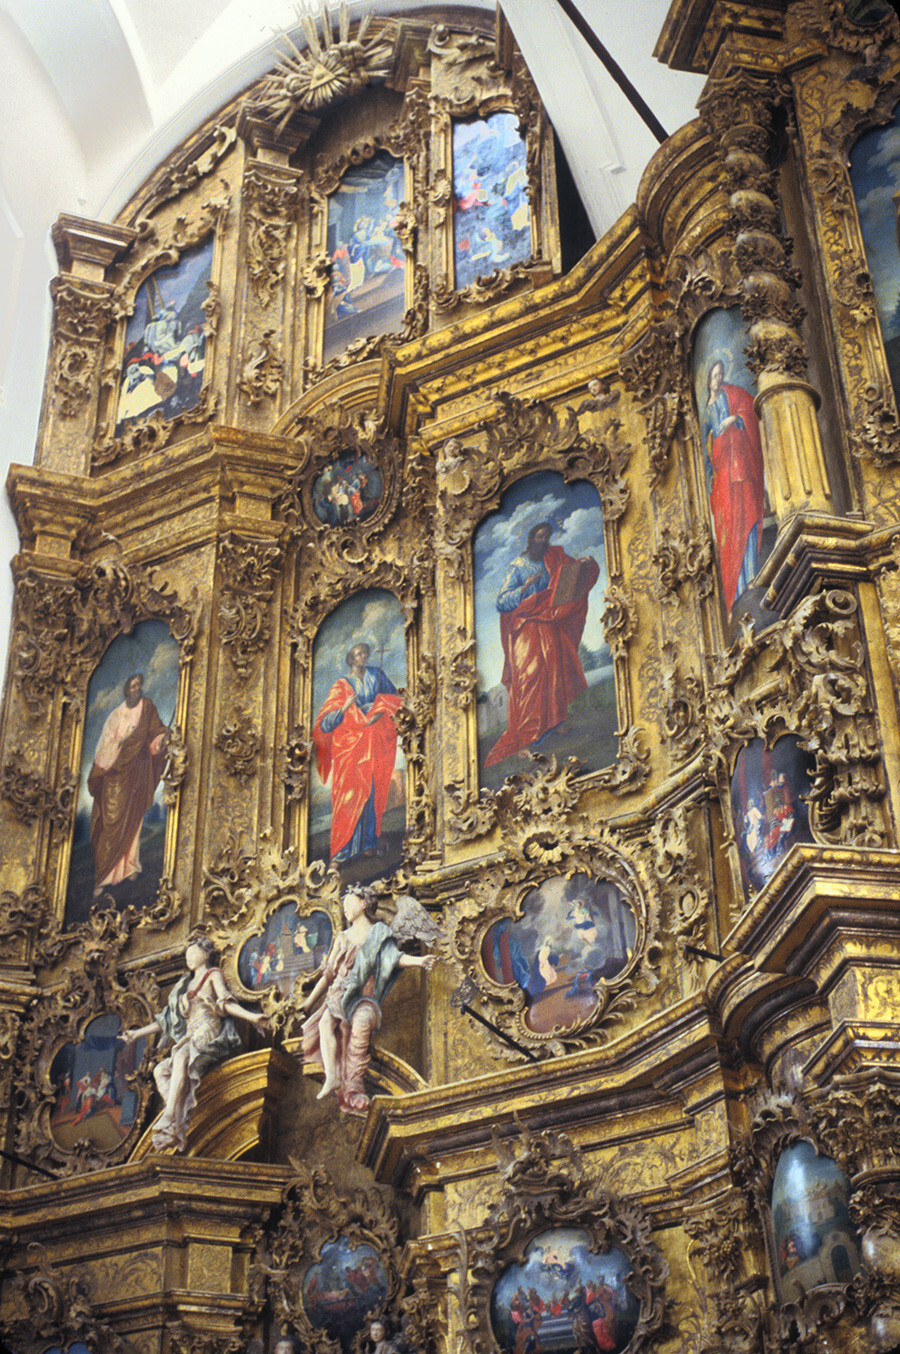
(355, 739)
(128, 763)
(736, 481)
(540, 636)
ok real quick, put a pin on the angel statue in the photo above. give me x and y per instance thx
(364, 961)
(197, 1021)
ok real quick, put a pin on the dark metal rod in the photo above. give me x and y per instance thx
(615, 70)
(520, 1048)
(20, 1161)
(705, 954)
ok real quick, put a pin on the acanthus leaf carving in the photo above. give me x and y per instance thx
(63, 625)
(683, 557)
(271, 196)
(82, 313)
(249, 572)
(652, 369)
(239, 743)
(297, 753)
(262, 370)
(58, 1306)
(32, 797)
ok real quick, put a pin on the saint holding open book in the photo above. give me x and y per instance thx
(543, 607)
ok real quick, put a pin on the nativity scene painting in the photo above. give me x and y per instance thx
(768, 799)
(491, 217)
(565, 1297)
(290, 946)
(120, 817)
(358, 791)
(731, 439)
(366, 294)
(573, 932)
(165, 340)
(546, 682)
(94, 1101)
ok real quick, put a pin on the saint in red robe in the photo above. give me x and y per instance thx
(541, 668)
(359, 756)
(737, 489)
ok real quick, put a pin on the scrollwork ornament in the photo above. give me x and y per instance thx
(31, 797)
(320, 440)
(297, 753)
(57, 1307)
(93, 986)
(460, 674)
(239, 743)
(63, 626)
(539, 1195)
(262, 370)
(176, 767)
(619, 620)
(538, 849)
(271, 196)
(82, 312)
(683, 557)
(653, 369)
(316, 275)
(315, 1215)
(249, 570)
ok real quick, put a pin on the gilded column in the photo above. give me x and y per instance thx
(738, 113)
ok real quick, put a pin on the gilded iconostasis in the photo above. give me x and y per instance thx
(449, 761)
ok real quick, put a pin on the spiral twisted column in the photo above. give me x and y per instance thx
(738, 111)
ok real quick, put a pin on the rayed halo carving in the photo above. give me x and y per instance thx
(557, 952)
(561, 1253)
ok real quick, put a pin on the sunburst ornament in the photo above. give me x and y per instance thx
(327, 69)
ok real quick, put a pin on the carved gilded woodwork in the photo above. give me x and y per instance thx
(93, 986)
(250, 570)
(327, 70)
(239, 743)
(50, 1304)
(539, 849)
(315, 1217)
(545, 1187)
(159, 244)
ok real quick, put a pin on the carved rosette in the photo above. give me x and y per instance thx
(538, 848)
(537, 1196)
(82, 313)
(249, 573)
(314, 1216)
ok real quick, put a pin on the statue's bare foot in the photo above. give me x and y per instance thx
(330, 1085)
